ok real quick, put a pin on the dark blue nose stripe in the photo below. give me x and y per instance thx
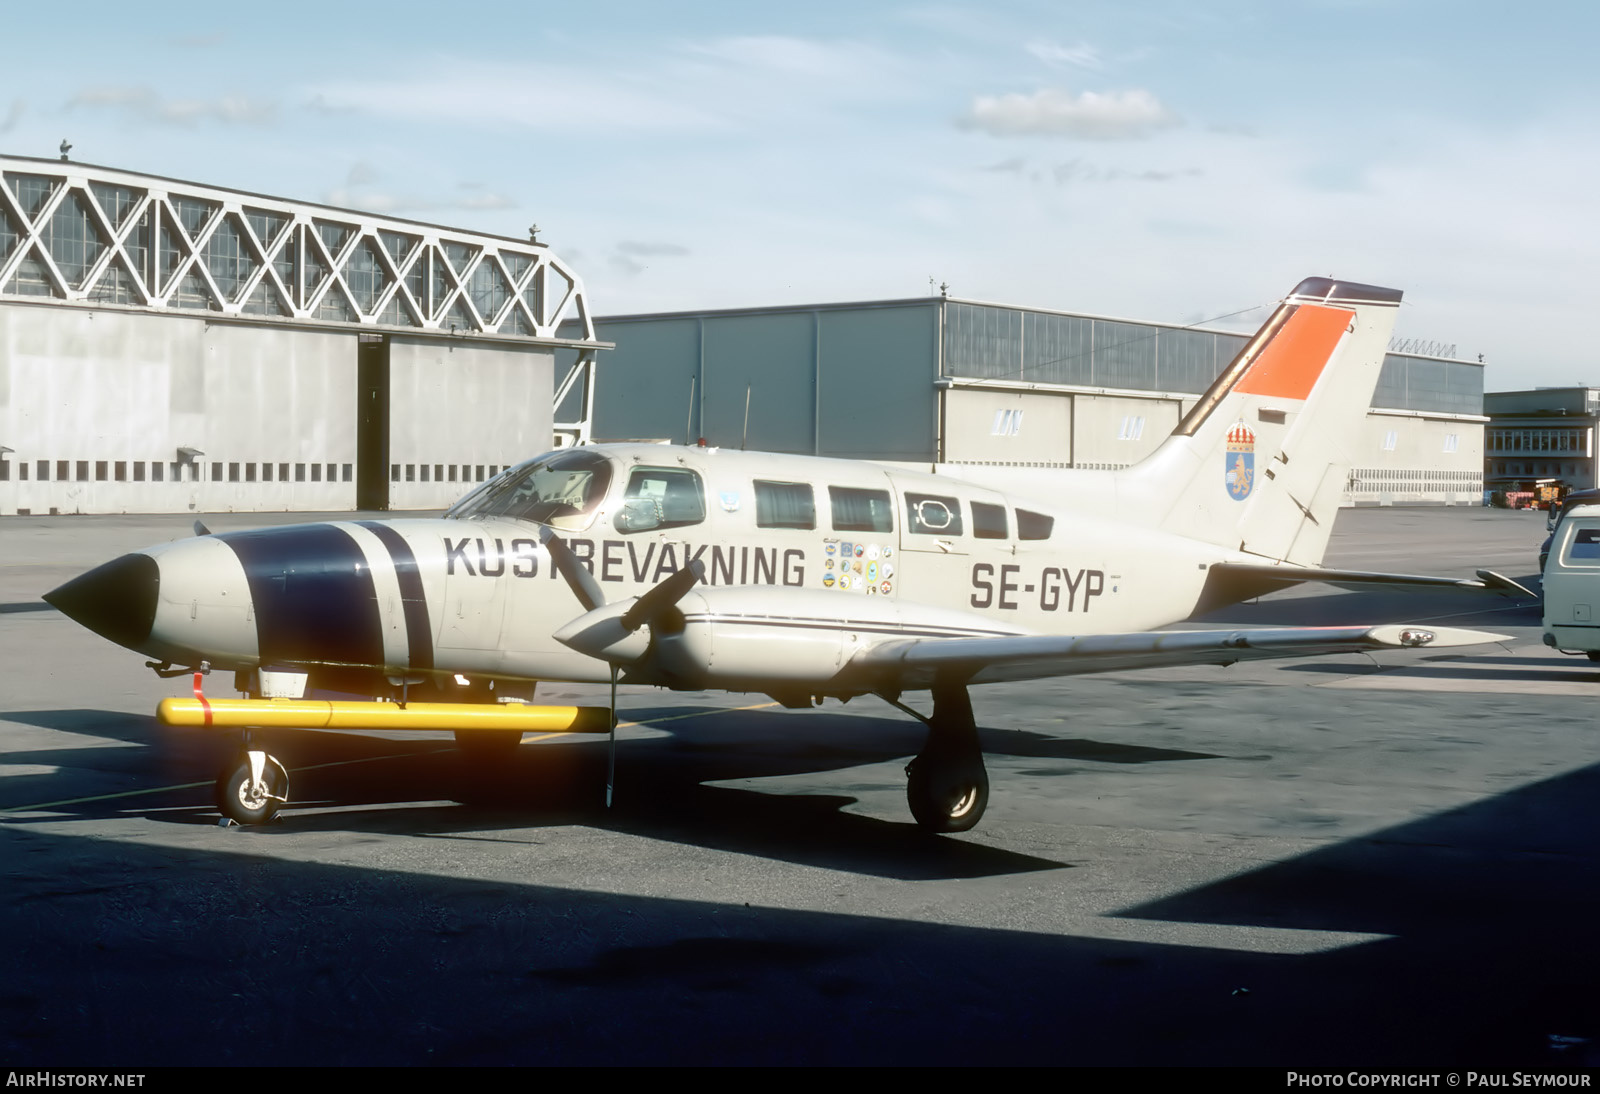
(313, 595)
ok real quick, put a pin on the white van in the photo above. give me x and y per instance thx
(1572, 583)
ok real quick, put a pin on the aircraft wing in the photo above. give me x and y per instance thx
(1279, 577)
(914, 663)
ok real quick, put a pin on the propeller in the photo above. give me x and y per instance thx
(615, 633)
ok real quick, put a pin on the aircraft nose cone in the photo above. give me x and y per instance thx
(116, 601)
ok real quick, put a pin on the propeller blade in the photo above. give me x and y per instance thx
(579, 579)
(652, 604)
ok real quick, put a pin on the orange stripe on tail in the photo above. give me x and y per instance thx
(1290, 364)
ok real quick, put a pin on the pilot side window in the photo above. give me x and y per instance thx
(785, 505)
(858, 510)
(930, 515)
(988, 521)
(661, 497)
(1034, 525)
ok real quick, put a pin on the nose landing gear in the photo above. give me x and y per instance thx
(250, 789)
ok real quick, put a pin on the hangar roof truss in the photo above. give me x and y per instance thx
(94, 236)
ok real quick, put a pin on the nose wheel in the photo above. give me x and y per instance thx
(250, 790)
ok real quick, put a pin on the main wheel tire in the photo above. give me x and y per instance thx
(487, 745)
(242, 803)
(946, 799)
(1594, 655)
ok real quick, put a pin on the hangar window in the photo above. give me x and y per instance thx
(785, 505)
(438, 473)
(233, 472)
(316, 472)
(426, 470)
(250, 472)
(266, 472)
(120, 471)
(5, 470)
(394, 472)
(300, 472)
(661, 497)
(42, 472)
(157, 468)
(100, 471)
(61, 470)
(930, 515)
(1032, 525)
(83, 470)
(988, 521)
(858, 510)
(562, 491)
(138, 470)
(348, 470)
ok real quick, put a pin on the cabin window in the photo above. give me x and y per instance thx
(931, 515)
(1034, 525)
(661, 497)
(988, 521)
(858, 510)
(561, 490)
(785, 505)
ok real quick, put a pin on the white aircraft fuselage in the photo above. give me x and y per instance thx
(796, 576)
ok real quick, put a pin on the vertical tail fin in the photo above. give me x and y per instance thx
(1260, 462)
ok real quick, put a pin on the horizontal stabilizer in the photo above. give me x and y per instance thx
(1284, 576)
(916, 663)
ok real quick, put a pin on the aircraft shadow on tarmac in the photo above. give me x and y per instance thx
(132, 954)
(661, 781)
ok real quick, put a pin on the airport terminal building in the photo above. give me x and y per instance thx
(167, 346)
(1541, 436)
(937, 379)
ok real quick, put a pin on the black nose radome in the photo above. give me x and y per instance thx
(116, 601)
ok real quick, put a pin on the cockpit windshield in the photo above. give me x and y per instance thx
(561, 489)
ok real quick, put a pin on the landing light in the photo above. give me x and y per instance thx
(1415, 637)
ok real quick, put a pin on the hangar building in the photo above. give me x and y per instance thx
(937, 379)
(167, 346)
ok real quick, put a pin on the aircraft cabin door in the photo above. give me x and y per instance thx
(934, 548)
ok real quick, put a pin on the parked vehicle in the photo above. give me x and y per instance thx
(1559, 509)
(1572, 583)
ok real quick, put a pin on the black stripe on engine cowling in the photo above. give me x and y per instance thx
(419, 631)
(313, 595)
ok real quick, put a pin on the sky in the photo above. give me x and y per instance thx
(1179, 162)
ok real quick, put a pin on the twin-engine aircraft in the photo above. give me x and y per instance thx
(801, 578)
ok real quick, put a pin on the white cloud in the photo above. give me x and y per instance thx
(1050, 112)
(1081, 55)
(145, 104)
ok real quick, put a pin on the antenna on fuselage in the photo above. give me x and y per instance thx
(745, 440)
(688, 422)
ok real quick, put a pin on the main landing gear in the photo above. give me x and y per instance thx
(946, 785)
